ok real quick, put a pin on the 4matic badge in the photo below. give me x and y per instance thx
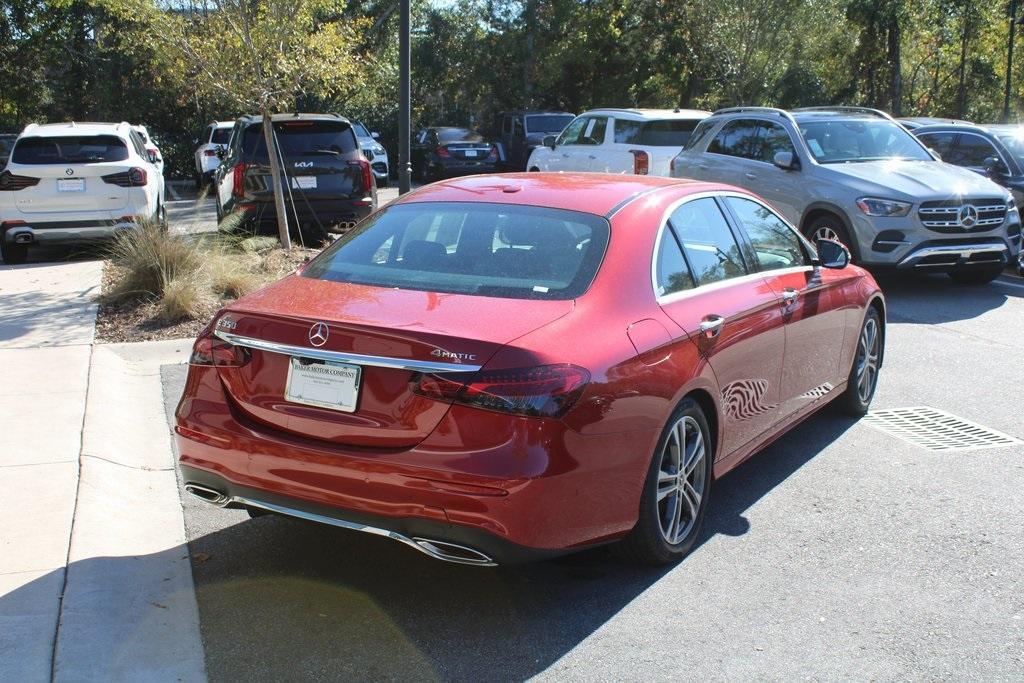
(441, 353)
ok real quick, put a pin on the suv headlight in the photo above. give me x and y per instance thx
(873, 206)
(1011, 206)
(378, 150)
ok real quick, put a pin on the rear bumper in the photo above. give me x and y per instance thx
(64, 232)
(328, 212)
(518, 491)
(450, 168)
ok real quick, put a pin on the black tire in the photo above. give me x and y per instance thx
(534, 169)
(648, 543)
(14, 254)
(310, 235)
(830, 227)
(161, 217)
(975, 276)
(856, 399)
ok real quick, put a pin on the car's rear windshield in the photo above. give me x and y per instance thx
(446, 135)
(850, 141)
(498, 250)
(220, 136)
(302, 137)
(70, 149)
(661, 133)
(547, 123)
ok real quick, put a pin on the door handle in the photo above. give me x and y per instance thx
(789, 297)
(711, 326)
(750, 175)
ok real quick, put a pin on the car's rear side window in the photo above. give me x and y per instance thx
(70, 149)
(302, 137)
(500, 250)
(710, 247)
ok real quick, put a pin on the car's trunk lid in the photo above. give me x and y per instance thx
(392, 326)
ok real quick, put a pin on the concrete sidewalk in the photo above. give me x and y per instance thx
(94, 577)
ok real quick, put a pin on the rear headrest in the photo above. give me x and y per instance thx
(534, 234)
(423, 254)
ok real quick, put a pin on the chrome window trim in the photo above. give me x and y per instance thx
(343, 357)
(749, 277)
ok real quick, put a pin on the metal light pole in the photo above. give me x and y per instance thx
(1009, 61)
(404, 97)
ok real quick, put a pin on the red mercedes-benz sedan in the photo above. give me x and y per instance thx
(508, 367)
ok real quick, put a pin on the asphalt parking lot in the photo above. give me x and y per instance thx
(839, 553)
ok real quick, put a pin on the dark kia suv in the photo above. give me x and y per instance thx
(328, 183)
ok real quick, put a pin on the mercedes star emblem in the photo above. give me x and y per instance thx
(318, 334)
(968, 216)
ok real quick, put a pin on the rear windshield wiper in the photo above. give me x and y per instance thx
(334, 152)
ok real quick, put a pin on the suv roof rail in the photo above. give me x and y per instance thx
(850, 109)
(755, 110)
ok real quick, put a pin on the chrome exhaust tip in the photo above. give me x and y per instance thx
(452, 552)
(206, 493)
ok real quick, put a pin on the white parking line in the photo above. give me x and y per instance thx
(1004, 281)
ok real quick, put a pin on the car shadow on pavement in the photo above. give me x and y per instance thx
(934, 298)
(285, 599)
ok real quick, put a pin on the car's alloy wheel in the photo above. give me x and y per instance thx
(676, 491)
(863, 377)
(681, 482)
(825, 232)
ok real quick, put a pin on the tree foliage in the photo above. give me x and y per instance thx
(174, 66)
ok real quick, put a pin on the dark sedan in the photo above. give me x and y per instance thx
(446, 152)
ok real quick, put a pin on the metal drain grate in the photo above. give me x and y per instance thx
(937, 430)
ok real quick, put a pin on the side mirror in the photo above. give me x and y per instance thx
(153, 157)
(375, 136)
(832, 254)
(221, 153)
(786, 161)
(549, 141)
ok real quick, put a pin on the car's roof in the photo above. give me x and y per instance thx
(298, 116)
(953, 126)
(73, 128)
(536, 112)
(651, 113)
(596, 193)
(223, 124)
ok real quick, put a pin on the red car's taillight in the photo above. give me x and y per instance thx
(209, 350)
(12, 183)
(641, 161)
(442, 152)
(366, 174)
(542, 391)
(238, 180)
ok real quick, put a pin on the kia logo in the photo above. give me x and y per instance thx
(318, 334)
(968, 216)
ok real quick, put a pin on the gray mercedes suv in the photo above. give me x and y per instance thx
(856, 176)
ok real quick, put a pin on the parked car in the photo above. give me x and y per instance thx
(855, 175)
(210, 145)
(374, 153)
(74, 182)
(152, 151)
(994, 151)
(638, 141)
(518, 133)
(446, 151)
(6, 145)
(912, 123)
(329, 183)
(482, 372)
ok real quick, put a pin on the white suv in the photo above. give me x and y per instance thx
(71, 182)
(211, 144)
(638, 141)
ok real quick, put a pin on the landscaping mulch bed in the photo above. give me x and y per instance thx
(134, 320)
